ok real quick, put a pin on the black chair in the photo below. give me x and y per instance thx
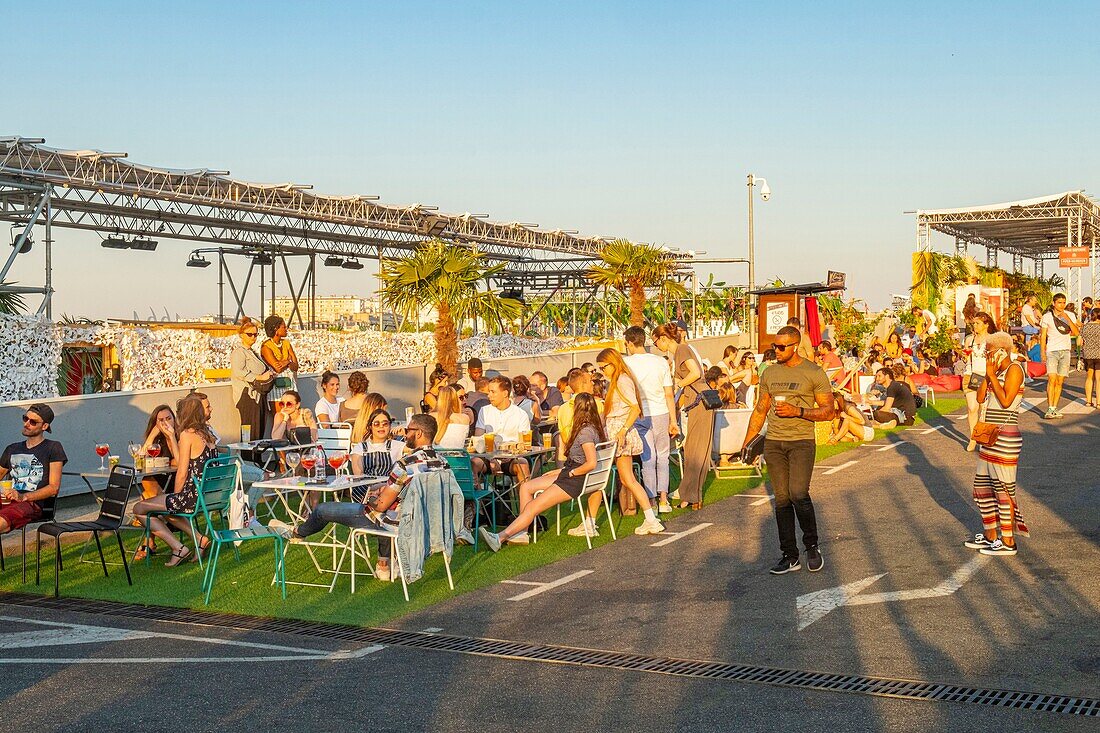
(47, 516)
(112, 512)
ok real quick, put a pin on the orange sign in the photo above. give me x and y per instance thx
(1073, 256)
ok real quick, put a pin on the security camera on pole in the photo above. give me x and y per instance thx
(765, 194)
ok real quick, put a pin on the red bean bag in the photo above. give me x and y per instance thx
(947, 383)
(922, 380)
(1036, 369)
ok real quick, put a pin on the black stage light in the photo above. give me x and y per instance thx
(198, 260)
(333, 261)
(144, 244)
(116, 242)
(352, 265)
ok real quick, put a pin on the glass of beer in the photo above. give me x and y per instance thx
(547, 440)
(490, 442)
(525, 439)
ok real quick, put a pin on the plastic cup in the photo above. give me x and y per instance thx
(246, 433)
(547, 440)
(113, 461)
(490, 442)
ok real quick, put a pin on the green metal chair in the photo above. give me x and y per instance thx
(220, 477)
(462, 468)
(214, 497)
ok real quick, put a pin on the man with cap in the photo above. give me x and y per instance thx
(33, 468)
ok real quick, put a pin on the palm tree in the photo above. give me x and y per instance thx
(11, 303)
(445, 277)
(631, 268)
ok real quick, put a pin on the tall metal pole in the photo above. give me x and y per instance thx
(752, 272)
(49, 256)
(221, 287)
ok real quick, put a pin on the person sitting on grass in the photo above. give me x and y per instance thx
(379, 509)
(898, 406)
(850, 425)
(557, 487)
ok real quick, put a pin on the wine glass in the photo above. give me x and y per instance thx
(336, 460)
(309, 460)
(293, 458)
(101, 450)
(154, 450)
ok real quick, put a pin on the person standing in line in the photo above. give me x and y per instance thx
(250, 379)
(688, 378)
(995, 475)
(1056, 332)
(1090, 352)
(794, 394)
(658, 422)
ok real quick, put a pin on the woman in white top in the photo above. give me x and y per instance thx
(377, 452)
(974, 350)
(327, 409)
(454, 424)
(729, 361)
(622, 408)
(744, 377)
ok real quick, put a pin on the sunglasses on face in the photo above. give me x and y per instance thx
(382, 424)
(783, 347)
(251, 334)
(31, 421)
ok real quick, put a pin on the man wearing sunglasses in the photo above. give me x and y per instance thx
(794, 394)
(33, 466)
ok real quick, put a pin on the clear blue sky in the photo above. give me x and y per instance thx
(632, 119)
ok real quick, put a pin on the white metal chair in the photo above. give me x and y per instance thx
(335, 437)
(359, 546)
(927, 393)
(598, 479)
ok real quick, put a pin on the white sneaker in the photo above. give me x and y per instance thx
(675, 495)
(280, 527)
(579, 530)
(649, 526)
(664, 508)
(490, 538)
(520, 539)
(464, 537)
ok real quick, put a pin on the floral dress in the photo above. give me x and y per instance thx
(184, 500)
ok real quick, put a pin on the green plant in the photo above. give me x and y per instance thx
(11, 303)
(943, 341)
(445, 277)
(631, 268)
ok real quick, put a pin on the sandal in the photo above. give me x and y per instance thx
(178, 556)
(202, 550)
(143, 551)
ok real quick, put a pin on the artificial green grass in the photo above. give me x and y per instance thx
(244, 587)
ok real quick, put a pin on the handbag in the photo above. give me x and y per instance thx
(974, 382)
(284, 383)
(753, 449)
(985, 433)
(264, 386)
(710, 399)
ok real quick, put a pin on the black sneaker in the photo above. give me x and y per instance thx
(814, 560)
(978, 542)
(786, 565)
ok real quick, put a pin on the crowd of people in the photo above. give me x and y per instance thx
(643, 405)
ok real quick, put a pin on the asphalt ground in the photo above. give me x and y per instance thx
(892, 516)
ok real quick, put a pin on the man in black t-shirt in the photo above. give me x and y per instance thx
(899, 406)
(33, 466)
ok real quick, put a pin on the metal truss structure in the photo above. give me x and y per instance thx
(1034, 229)
(104, 192)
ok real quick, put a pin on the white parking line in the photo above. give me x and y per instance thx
(841, 467)
(543, 587)
(890, 446)
(930, 430)
(677, 535)
(759, 502)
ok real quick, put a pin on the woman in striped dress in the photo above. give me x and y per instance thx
(995, 477)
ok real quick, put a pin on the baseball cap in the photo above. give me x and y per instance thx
(680, 324)
(45, 412)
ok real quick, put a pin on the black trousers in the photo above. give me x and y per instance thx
(790, 466)
(252, 414)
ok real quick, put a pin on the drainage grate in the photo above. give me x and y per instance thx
(879, 686)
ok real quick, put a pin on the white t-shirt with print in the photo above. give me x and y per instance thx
(653, 375)
(507, 423)
(1057, 341)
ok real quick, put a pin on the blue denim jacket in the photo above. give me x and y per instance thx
(431, 516)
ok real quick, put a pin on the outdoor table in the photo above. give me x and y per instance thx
(534, 456)
(292, 492)
(254, 444)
